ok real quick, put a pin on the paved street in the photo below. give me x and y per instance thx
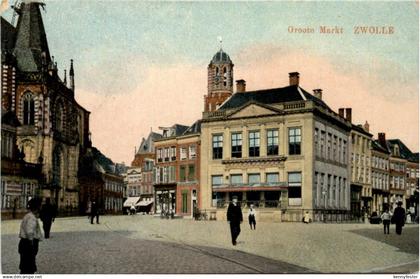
(145, 244)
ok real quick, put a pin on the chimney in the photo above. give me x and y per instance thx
(240, 86)
(366, 126)
(382, 139)
(348, 114)
(341, 112)
(318, 93)
(294, 78)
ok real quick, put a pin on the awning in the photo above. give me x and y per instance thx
(144, 203)
(131, 201)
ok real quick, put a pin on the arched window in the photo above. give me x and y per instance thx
(28, 109)
(60, 116)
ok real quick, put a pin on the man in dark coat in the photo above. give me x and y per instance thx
(47, 216)
(234, 217)
(94, 212)
(399, 218)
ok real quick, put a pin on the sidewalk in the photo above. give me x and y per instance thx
(326, 248)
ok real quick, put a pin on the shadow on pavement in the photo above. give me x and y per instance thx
(407, 242)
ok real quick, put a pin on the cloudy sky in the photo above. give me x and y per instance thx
(140, 65)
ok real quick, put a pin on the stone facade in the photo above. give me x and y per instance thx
(262, 150)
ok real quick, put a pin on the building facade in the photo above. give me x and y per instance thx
(177, 170)
(19, 180)
(283, 150)
(380, 177)
(144, 160)
(361, 186)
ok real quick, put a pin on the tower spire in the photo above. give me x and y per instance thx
(31, 39)
(65, 78)
(71, 75)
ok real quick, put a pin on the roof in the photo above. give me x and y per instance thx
(31, 40)
(378, 147)
(271, 96)
(361, 130)
(94, 161)
(146, 145)
(405, 152)
(194, 128)
(179, 129)
(221, 57)
(8, 37)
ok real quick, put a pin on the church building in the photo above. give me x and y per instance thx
(54, 128)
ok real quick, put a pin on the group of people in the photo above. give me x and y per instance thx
(234, 217)
(30, 232)
(398, 217)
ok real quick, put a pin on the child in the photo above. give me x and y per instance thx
(386, 220)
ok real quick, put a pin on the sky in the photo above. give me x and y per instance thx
(140, 65)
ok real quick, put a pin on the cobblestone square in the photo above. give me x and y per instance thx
(144, 244)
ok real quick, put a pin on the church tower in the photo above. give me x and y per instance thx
(219, 81)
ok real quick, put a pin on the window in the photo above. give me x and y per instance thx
(191, 172)
(217, 146)
(236, 145)
(236, 179)
(322, 143)
(192, 152)
(182, 176)
(173, 153)
(295, 188)
(272, 142)
(272, 178)
(328, 146)
(28, 110)
(254, 144)
(316, 136)
(254, 179)
(294, 141)
(184, 208)
(216, 180)
(183, 153)
(166, 154)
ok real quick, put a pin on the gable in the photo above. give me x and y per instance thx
(252, 110)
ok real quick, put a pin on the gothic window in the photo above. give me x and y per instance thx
(28, 109)
(224, 76)
(60, 117)
(57, 167)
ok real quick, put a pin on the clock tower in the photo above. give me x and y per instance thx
(219, 81)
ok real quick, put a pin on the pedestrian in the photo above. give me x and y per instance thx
(89, 209)
(47, 216)
(399, 218)
(306, 218)
(30, 235)
(132, 209)
(251, 216)
(234, 217)
(386, 220)
(94, 212)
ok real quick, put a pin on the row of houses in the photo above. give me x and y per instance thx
(282, 149)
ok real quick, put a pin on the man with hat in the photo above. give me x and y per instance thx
(234, 217)
(399, 217)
